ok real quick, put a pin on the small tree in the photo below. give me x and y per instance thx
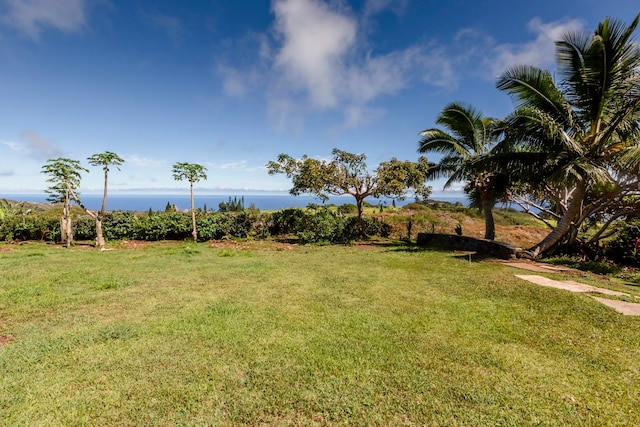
(347, 173)
(191, 172)
(105, 160)
(64, 175)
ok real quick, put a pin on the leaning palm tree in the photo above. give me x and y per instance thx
(580, 135)
(470, 137)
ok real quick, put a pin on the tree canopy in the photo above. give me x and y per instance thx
(575, 143)
(469, 136)
(347, 174)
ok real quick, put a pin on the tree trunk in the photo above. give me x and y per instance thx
(99, 236)
(487, 210)
(359, 205)
(193, 216)
(564, 224)
(66, 230)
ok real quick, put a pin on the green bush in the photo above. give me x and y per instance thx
(118, 225)
(162, 226)
(287, 221)
(624, 248)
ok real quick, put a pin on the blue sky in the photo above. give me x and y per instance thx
(231, 84)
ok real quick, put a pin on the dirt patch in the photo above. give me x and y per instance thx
(133, 244)
(5, 249)
(441, 221)
(6, 339)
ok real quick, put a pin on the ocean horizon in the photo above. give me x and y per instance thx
(158, 202)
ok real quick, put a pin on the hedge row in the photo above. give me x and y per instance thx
(307, 225)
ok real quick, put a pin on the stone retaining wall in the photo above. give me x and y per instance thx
(465, 243)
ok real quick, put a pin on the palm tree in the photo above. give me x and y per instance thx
(470, 137)
(192, 172)
(105, 160)
(580, 135)
(64, 176)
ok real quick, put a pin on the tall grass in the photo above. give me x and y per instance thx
(253, 334)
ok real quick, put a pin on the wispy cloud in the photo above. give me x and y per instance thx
(31, 17)
(145, 162)
(7, 173)
(170, 25)
(373, 7)
(236, 166)
(35, 146)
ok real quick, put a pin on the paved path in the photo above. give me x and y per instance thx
(627, 308)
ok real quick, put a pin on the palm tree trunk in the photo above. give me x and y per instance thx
(66, 229)
(193, 216)
(100, 215)
(564, 224)
(487, 210)
(99, 236)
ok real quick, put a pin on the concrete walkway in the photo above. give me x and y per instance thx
(627, 308)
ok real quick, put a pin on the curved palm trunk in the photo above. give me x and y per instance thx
(489, 224)
(193, 216)
(564, 225)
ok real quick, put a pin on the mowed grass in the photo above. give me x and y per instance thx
(268, 334)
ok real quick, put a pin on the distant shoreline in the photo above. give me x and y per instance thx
(158, 202)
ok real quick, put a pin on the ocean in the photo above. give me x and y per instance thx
(158, 202)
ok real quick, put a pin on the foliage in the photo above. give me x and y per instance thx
(191, 172)
(164, 226)
(574, 144)
(624, 247)
(347, 174)
(64, 175)
(233, 205)
(470, 136)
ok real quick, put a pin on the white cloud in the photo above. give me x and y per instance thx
(539, 52)
(315, 41)
(321, 62)
(31, 17)
(320, 59)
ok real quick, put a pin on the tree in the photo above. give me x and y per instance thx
(64, 175)
(191, 172)
(470, 137)
(105, 160)
(578, 140)
(347, 173)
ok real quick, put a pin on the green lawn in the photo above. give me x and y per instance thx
(267, 334)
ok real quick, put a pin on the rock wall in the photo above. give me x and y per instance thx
(465, 243)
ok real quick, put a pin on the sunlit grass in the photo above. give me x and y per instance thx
(251, 333)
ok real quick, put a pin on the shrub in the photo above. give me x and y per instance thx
(287, 221)
(163, 226)
(118, 225)
(625, 247)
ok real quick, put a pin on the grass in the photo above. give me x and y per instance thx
(268, 334)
